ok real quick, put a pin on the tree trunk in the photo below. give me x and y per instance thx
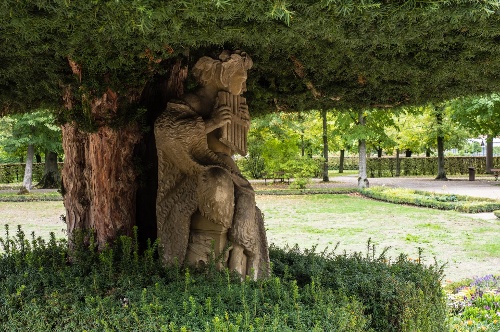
(341, 161)
(489, 154)
(325, 146)
(379, 152)
(363, 178)
(408, 153)
(398, 164)
(427, 152)
(38, 158)
(440, 146)
(51, 177)
(28, 171)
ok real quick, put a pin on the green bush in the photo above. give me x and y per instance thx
(119, 289)
(459, 203)
(402, 295)
(497, 213)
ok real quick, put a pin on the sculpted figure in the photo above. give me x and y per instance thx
(204, 205)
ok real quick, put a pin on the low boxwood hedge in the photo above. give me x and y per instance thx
(459, 203)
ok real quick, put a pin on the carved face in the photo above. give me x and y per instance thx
(237, 81)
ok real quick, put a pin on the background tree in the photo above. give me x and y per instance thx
(30, 133)
(481, 116)
(364, 126)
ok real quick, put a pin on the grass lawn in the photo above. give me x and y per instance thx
(468, 244)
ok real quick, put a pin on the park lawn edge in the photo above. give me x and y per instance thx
(460, 203)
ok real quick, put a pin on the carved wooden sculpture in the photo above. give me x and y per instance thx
(204, 206)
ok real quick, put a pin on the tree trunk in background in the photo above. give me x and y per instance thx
(38, 158)
(398, 163)
(325, 146)
(28, 171)
(51, 177)
(363, 178)
(440, 145)
(379, 152)
(489, 154)
(341, 161)
(408, 153)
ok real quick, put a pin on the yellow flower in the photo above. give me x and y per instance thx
(469, 322)
(483, 328)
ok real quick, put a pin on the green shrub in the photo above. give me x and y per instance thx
(459, 203)
(497, 213)
(119, 289)
(398, 296)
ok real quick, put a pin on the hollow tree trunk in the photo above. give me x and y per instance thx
(28, 171)
(325, 146)
(51, 177)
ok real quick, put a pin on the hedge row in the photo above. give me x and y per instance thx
(459, 203)
(387, 166)
(350, 163)
(11, 173)
(38, 197)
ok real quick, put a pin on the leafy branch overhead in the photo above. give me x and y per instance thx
(353, 54)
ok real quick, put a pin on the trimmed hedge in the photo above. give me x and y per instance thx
(33, 197)
(11, 173)
(459, 203)
(350, 163)
(386, 166)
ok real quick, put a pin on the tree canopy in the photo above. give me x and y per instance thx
(308, 54)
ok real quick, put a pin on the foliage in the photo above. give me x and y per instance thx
(37, 128)
(122, 289)
(475, 306)
(432, 200)
(351, 54)
(399, 296)
(497, 213)
(478, 114)
(374, 131)
(276, 142)
(380, 167)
